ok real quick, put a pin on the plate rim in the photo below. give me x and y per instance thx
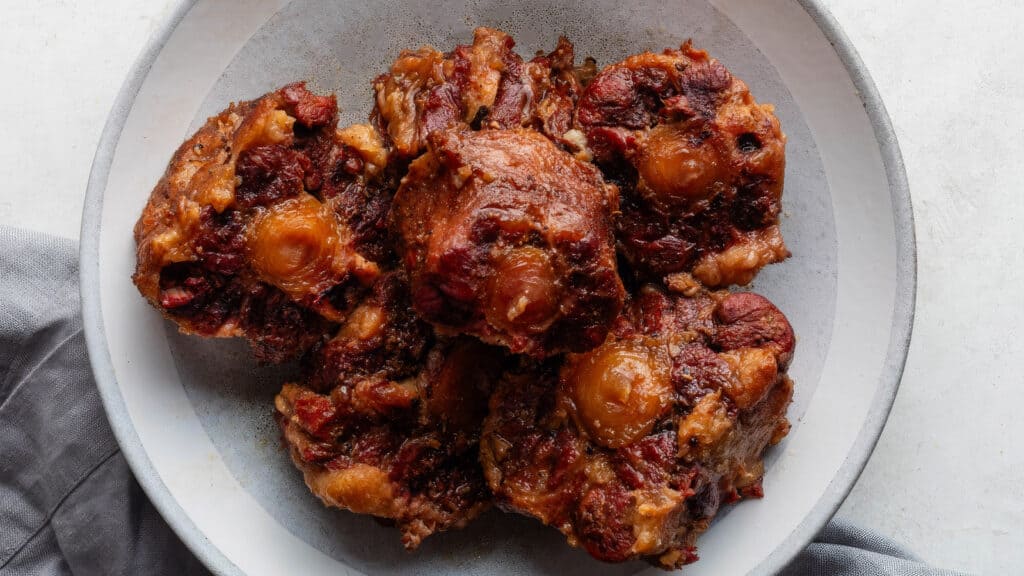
(822, 511)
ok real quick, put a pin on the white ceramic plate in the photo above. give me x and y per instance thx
(194, 417)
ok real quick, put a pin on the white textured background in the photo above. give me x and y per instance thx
(947, 477)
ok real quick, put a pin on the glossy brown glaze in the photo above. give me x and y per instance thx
(508, 238)
(388, 419)
(249, 233)
(630, 448)
(480, 85)
(700, 164)
(408, 261)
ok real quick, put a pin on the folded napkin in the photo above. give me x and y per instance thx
(68, 501)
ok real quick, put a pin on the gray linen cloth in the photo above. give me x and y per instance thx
(70, 505)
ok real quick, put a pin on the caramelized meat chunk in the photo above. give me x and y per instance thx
(481, 85)
(388, 420)
(700, 165)
(247, 233)
(508, 238)
(630, 448)
(449, 275)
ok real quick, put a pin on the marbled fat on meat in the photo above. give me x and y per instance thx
(250, 232)
(699, 162)
(387, 419)
(508, 238)
(630, 449)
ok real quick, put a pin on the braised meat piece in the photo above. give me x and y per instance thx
(481, 85)
(508, 238)
(358, 184)
(449, 276)
(700, 165)
(629, 449)
(388, 420)
(253, 230)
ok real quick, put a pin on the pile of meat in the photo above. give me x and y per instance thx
(509, 288)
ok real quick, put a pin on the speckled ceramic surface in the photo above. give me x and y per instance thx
(194, 416)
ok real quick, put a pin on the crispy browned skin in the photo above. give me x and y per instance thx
(508, 238)
(388, 420)
(629, 449)
(265, 223)
(483, 84)
(699, 162)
